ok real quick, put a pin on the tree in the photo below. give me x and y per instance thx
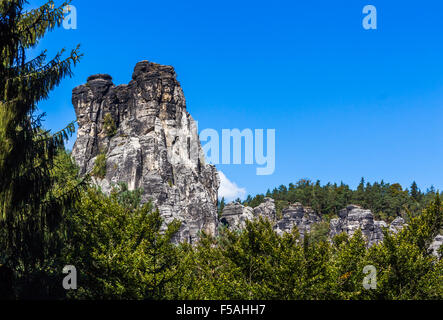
(29, 209)
(221, 206)
(415, 192)
(120, 250)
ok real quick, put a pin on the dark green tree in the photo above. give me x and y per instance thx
(30, 211)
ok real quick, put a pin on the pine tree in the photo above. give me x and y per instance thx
(29, 211)
(415, 192)
(221, 206)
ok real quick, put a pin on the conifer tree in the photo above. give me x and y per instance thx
(29, 211)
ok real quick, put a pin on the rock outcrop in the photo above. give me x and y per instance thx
(149, 141)
(235, 214)
(296, 215)
(397, 225)
(354, 217)
(266, 209)
(436, 244)
(303, 218)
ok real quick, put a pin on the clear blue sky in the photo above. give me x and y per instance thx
(345, 102)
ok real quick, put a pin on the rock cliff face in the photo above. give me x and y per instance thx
(436, 244)
(234, 215)
(354, 217)
(151, 142)
(266, 209)
(297, 216)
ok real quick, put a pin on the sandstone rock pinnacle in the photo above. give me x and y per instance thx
(149, 141)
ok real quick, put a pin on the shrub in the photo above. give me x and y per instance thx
(109, 126)
(99, 169)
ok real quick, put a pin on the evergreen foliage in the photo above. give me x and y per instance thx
(99, 169)
(109, 125)
(31, 208)
(387, 201)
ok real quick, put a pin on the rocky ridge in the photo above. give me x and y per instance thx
(350, 219)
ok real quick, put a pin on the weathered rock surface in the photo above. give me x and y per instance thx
(350, 219)
(397, 225)
(235, 214)
(266, 209)
(296, 215)
(354, 217)
(155, 145)
(436, 244)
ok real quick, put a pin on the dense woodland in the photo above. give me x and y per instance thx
(51, 217)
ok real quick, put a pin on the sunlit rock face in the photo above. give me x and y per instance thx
(296, 215)
(266, 209)
(155, 145)
(235, 215)
(354, 217)
(436, 244)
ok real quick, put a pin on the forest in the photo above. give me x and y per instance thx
(51, 217)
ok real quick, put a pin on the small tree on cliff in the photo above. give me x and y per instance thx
(29, 211)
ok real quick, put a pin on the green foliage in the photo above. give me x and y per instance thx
(99, 169)
(109, 125)
(31, 205)
(120, 249)
(220, 207)
(256, 263)
(127, 198)
(387, 201)
(319, 231)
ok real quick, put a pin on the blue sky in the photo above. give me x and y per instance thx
(345, 102)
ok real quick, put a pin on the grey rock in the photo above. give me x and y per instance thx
(354, 217)
(436, 244)
(397, 225)
(266, 209)
(296, 215)
(235, 215)
(156, 145)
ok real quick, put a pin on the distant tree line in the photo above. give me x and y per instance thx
(385, 200)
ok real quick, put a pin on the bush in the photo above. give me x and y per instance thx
(99, 169)
(109, 125)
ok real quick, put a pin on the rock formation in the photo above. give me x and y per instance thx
(149, 141)
(436, 244)
(397, 225)
(353, 217)
(296, 215)
(266, 209)
(235, 214)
